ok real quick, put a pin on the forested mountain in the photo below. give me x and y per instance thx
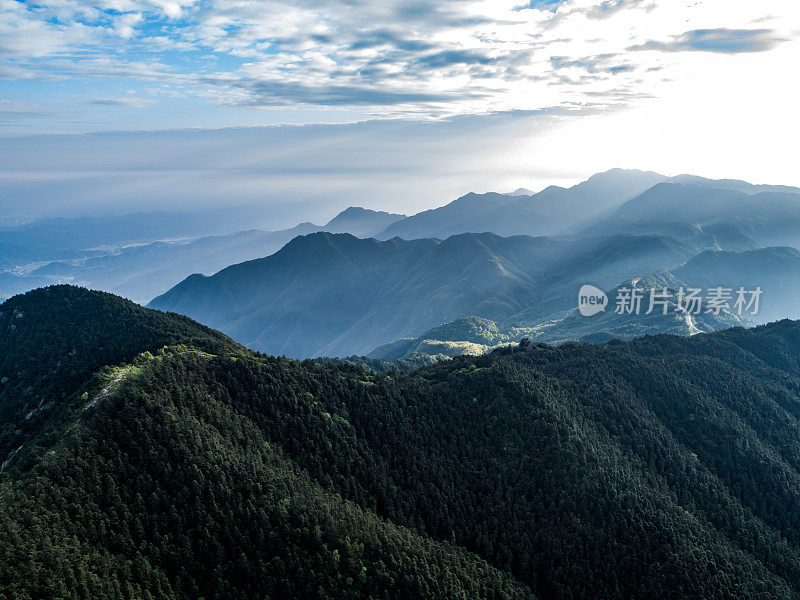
(336, 295)
(53, 339)
(552, 211)
(660, 468)
(122, 489)
(466, 335)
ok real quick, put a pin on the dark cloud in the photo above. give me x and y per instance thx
(592, 65)
(621, 69)
(438, 13)
(609, 7)
(282, 93)
(321, 38)
(376, 39)
(726, 41)
(128, 102)
(447, 58)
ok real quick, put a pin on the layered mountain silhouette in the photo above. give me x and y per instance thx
(336, 295)
(142, 271)
(553, 211)
(776, 271)
(146, 456)
(62, 238)
(737, 219)
(361, 222)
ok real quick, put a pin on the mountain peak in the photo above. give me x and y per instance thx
(553, 211)
(361, 222)
(359, 211)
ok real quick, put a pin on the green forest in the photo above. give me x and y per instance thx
(145, 456)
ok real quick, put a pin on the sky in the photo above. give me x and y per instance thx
(311, 105)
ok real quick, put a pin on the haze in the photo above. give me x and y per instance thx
(421, 103)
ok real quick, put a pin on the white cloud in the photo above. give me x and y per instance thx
(124, 24)
(431, 59)
(673, 85)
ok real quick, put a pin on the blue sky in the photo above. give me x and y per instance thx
(87, 65)
(638, 73)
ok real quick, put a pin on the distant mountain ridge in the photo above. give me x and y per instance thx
(737, 218)
(775, 271)
(61, 238)
(143, 271)
(361, 222)
(335, 295)
(609, 231)
(732, 184)
(552, 211)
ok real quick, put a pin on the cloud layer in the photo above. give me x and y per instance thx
(332, 60)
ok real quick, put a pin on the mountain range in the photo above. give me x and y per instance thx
(326, 295)
(622, 201)
(773, 271)
(336, 295)
(140, 269)
(330, 296)
(61, 238)
(737, 219)
(553, 211)
(143, 455)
